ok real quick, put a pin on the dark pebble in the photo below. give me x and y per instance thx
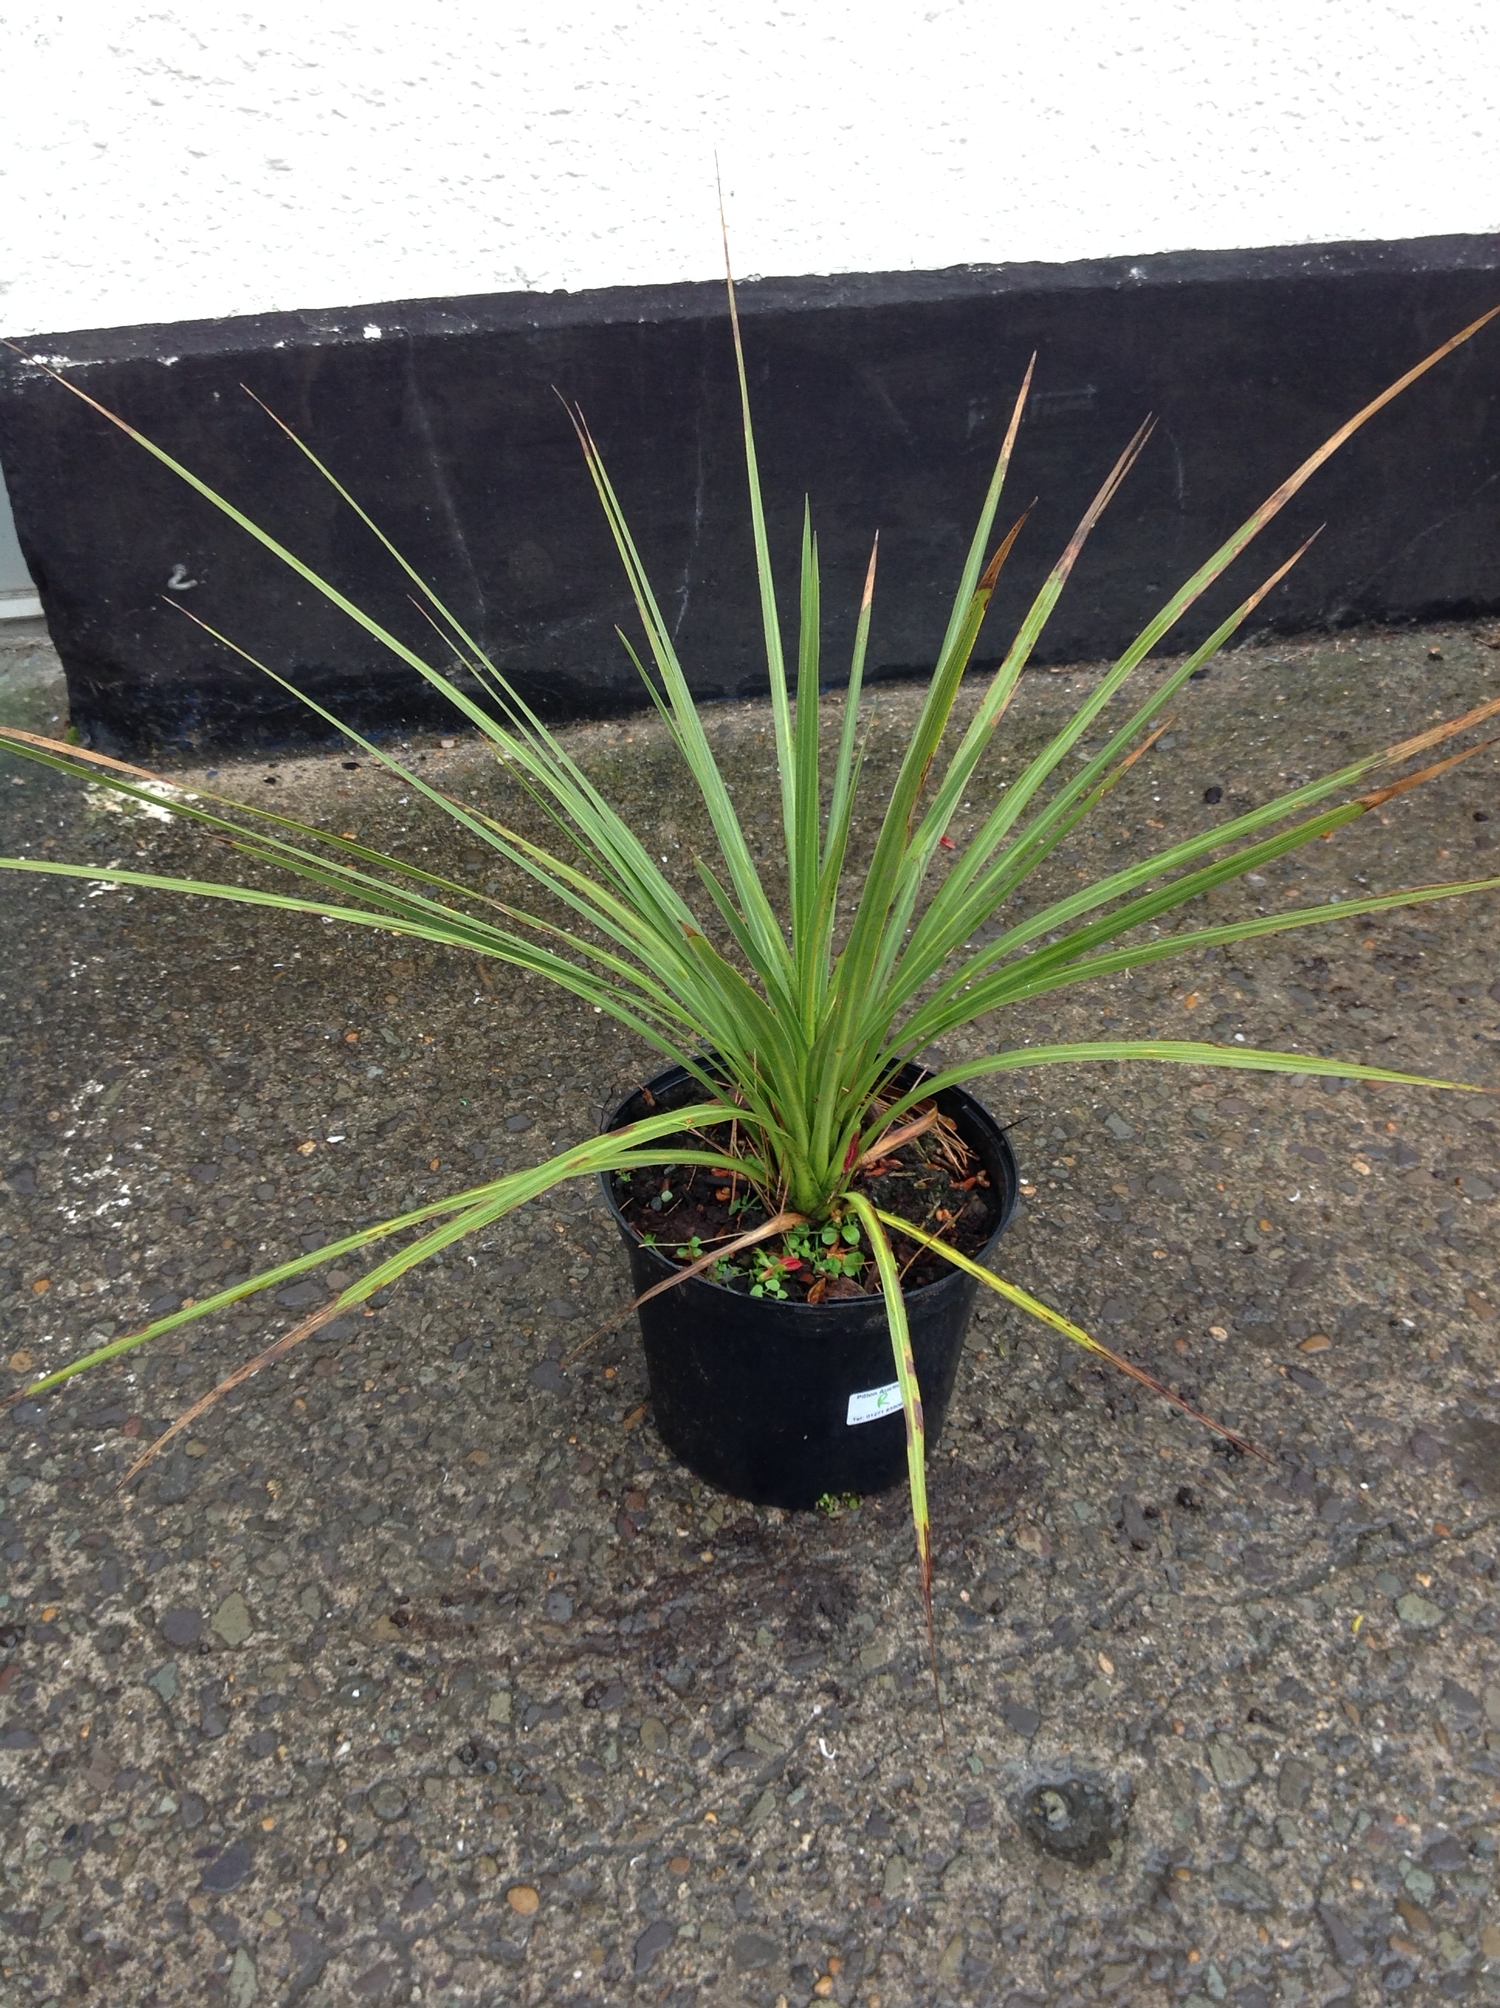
(1138, 1528)
(1213, 794)
(106, 1418)
(419, 1896)
(178, 1481)
(229, 1870)
(1024, 1720)
(653, 1941)
(750, 1951)
(559, 1606)
(182, 1626)
(515, 1124)
(560, 1307)
(549, 1376)
(300, 1296)
(1347, 1949)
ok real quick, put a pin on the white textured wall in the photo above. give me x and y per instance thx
(169, 162)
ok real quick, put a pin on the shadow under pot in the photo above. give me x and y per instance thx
(781, 1403)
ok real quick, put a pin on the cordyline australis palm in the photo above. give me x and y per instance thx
(807, 1020)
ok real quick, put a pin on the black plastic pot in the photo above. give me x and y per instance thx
(756, 1396)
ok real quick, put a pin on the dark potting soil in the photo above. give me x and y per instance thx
(934, 1180)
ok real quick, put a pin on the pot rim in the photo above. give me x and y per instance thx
(1008, 1206)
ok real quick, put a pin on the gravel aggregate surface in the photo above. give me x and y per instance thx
(419, 1672)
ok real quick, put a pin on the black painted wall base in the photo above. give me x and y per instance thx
(881, 397)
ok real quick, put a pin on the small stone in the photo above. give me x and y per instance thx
(517, 1123)
(300, 1296)
(485, 1869)
(228, 1870)
(243, 1980)
(387, 1800)
(1020, 1717)
(1492, 1707)
(1293, 1784)
(1243, 1888)
(1138, 1529)
(500, 1704)
(164, 1680)
(182, 1627)
(559, 1606)
(750, 1951)
(59, 1869)
(1413, 1916)
(1460, 1698)
(1118, 1128)
(1418, 1612)
(1231, 1764)
(896, 1872)
(548, 1376)
(1347, 1949)
(654, 1737)
(653, 1941)
(560, 1307)
(1319, 1342)
(523, 1899)
(232, 1620)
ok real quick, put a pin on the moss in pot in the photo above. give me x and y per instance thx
(814, 1010)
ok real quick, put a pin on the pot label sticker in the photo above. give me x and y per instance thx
(874, 1403)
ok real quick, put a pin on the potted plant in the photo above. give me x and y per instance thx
(802, 1321)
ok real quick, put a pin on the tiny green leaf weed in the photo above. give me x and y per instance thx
(809, 1014)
